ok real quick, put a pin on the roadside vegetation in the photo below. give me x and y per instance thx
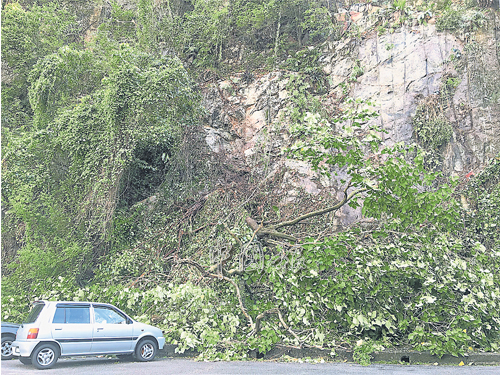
(110, 194)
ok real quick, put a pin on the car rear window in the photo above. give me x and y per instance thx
(35, 311)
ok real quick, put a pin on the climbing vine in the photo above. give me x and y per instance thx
(87, 141)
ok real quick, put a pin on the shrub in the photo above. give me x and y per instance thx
(461, 20)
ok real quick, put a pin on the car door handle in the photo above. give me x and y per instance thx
(58, 329)
(99, 329)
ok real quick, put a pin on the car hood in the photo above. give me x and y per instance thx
(11, 325)
(143, 327)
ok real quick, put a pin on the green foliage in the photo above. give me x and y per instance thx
(207, 32)
(58, 80)
(399, 5)
(194, 321)
(318, 135)
(120, 27)
(410, 201)
(459, 19)
(432, 129)
(318, 21)
(339, 289)
(30, 34)
(483, 214)
(90, 137)
(357, 71)
(27, 36)
(452, 82)
(305, 61)
(363, 349)
(299, 88)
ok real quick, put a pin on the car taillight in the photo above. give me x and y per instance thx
(33, 333)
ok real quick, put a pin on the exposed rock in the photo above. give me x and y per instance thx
(400, 69)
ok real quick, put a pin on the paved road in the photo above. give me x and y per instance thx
(164, 366)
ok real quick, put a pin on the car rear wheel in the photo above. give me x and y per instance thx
(146, 350)
(45, 356)
(7, 346)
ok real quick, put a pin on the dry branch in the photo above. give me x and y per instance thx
(272, 232)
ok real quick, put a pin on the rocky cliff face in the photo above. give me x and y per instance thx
(456, 76)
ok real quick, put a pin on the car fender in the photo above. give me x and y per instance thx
(48, 341)
(147, 335)
(142, 330)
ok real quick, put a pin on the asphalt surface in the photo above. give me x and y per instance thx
(163, 366)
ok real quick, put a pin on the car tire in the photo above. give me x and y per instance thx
(7, 341)
(25, 361)
(45, 356)
(146, 350)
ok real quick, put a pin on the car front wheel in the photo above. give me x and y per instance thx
(45, 356)
(146, 350)
(7, 347)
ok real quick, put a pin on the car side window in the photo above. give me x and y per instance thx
(59, 316)
(105, 315)
(72, 315)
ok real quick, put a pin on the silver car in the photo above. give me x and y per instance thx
(57, 329)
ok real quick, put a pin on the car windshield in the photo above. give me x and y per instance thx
(35, 311)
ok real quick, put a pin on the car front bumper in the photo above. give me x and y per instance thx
(161, 342)
(23, 348)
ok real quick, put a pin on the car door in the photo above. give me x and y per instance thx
(71, 327)
(112, 332)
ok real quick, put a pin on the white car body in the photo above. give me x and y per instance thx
(82, 329)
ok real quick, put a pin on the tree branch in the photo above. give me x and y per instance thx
(346, 199)
(273, 311)
(238, 294)
(259, 317)
(272, 232)
(267, 232)
(288, 328)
